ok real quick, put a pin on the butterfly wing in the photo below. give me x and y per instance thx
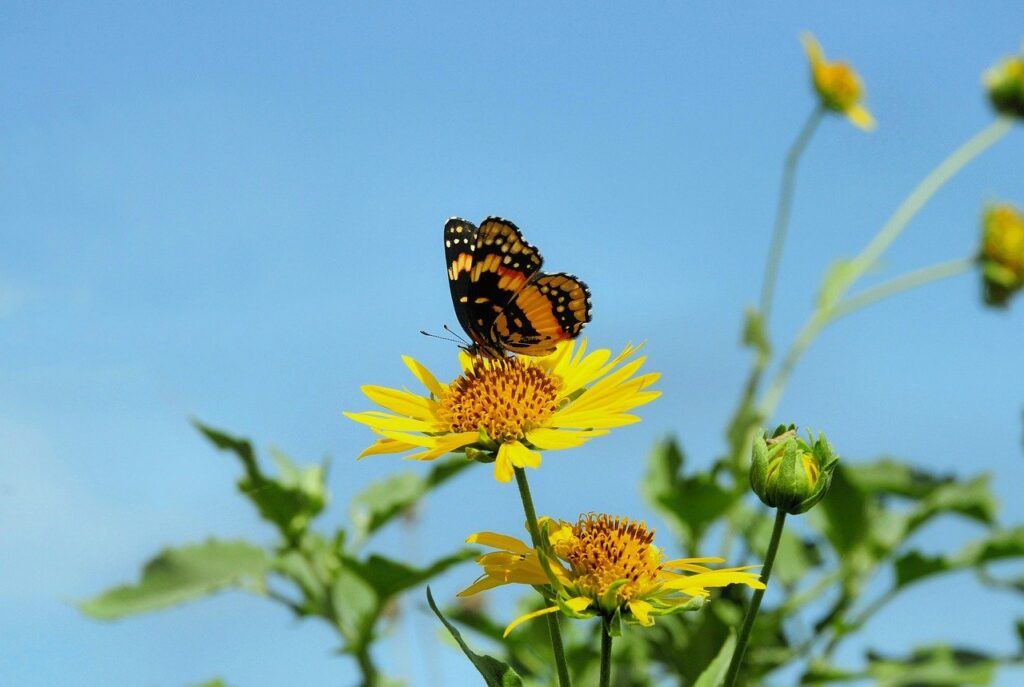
(503, 263)
(459, 244)
(548, 309)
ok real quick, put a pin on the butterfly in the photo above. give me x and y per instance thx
(502, 299)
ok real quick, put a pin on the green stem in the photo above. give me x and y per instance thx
(755, 602)
(606, 657)
(366, 667)
(922, 193)
(782, 213)
(905, 282)
(531, 522)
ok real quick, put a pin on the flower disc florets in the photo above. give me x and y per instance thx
(508, 410)
(505, 398)
(602, 565)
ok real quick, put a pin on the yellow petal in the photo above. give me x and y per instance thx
(385, 446)
(401, 402)
(519, 455)
(499, 541)
(555, 439)
(861, 118)
(813, 48)
(392, 422)
(578, 604)
(642, 610)
(424, 375)
(503, 470)
(529, 616)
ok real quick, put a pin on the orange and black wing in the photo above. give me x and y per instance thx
(548, 309)
(459, 244)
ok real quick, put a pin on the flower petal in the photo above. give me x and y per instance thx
(385, 446)
(861, 118)
(499, 541)
(578, 604)
(392, 422)
(529, 616)
(813, 48)
(424, 375)
(519, 456)
(401, 402)
(642, 610)
(555, 439)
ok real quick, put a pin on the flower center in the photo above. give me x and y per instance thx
(506, 397)
(839, 84)
(604, 550)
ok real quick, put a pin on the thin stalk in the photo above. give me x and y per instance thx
(606, 657)
(366, 668)
(755, 602)
(905, 282)
(531, 522)
(771, 272)
(867, 258)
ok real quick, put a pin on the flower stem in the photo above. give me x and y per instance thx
(905, 282)
(606, 657)
(755, 602)
(531, 522)
(922, 193)
(782, 213)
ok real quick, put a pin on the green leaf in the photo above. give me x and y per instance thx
(388, 577)
(916, 566)
(356, 608)
(212, 683)
(891, 476)
(935, 666)
(754, 335)
(847, 512)
(184, 574)
(794, 558)
(289, 502)
(495, 673)
(1001, 545)
(690, 504)
(973, 500)
(383, 501)
(714, 674)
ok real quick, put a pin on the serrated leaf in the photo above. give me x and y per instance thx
(356, 608)
(714, 674)
(183, 574)
(494, 672)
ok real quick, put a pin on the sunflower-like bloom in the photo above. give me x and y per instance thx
(837, 84)
(603, 565)
(507, 410)
(1002, 253)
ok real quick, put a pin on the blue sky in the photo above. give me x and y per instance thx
(235, 211)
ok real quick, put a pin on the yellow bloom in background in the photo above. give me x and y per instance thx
(1005, 84)
(603, 565)
(1002, 252)
(838, 86)
(507, 410)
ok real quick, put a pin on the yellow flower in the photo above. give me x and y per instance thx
(1005, 83)
(507, 410)
(1002, 253)
(838, 86)
(603, 565)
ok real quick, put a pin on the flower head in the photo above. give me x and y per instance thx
(507, 410)
(603, 565)
(789, 473)
(1002, 253)
(837, 84)
(1005, 83)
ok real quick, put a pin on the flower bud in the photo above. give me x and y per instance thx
(789, 473)
(1005, 84)
(1002, 253)
(838, 86)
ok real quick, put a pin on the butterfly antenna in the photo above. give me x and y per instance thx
(444, 338)
(457, 336)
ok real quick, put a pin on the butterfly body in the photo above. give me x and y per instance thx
(502, 299)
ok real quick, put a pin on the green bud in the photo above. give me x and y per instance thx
(789, 473)
(1002, 253)
(1005, 83)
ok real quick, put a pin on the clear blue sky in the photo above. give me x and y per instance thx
(234, 211)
